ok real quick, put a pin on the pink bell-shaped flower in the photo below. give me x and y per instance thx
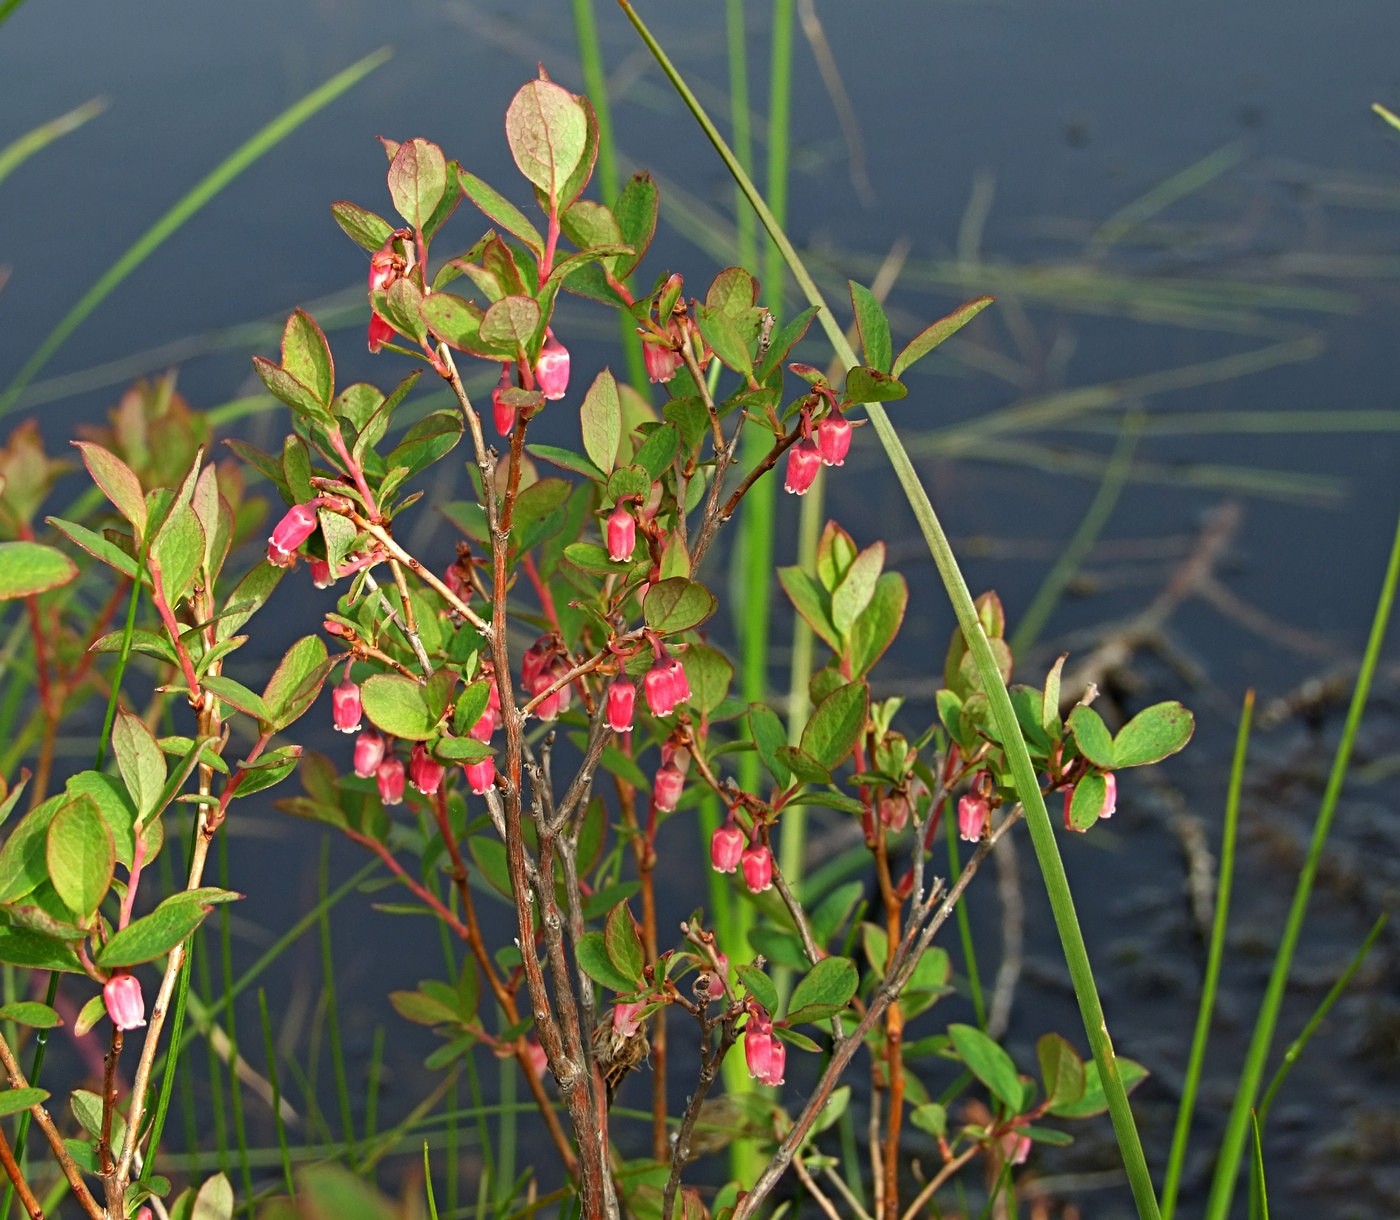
(665, 685)
(727, 847)
(502, 412)
(481, 774)
(369, 753)
(667, 787)
(424, 771)
(973, 813)
(295, 528)
(552, 368)
(345, 707)
(661, 362)
(390, 777)
(756, 861)
(803, 463)
(834, 439)
(621, 534)
(125, 1003)
(765, 1055)
(622, 699)
(627, 1018)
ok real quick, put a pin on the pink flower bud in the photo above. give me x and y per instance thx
(757, 864)
(536, 1057)
(627, 1018)
(503, 412)
(552, 368)
(345, 707)
(622, 698)
(389, 776)
(726, 847)
(424, 771)
(665, 686)
(380, 333)
(973, 812)
(294, 529)
(834, 439)
(765, 1055)
(667, 787)
(803, 463)
(320, 573)
(384, 267)
(894, 811)
(661, 362)
(481, 775)
(369, 753)
(621, 534)
(125, 1003)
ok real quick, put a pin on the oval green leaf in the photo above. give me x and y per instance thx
(27, 568)
(677, 605)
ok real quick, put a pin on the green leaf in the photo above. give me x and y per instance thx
(732, 293)
(96, 545)
(853, 594)
(417, 180)
(118, 483)
(398, 705)
(1087, 801)
(454, 320)
(461, 750)
(870, 385)
(760, 987)
(153, 935)
(249, 595)
(21, 947)
(432, 437)
(601, 419)
(1155, 733)
(236, 695)
(594, 961)
(510, 324)
(623, 944)
(307, 356)
(874, 631)
(1061, 1070)
(140, 761)
(1093, 1100)
(178, 550)
(547, 130)
(499, 210)
(27, 568)
(363, 227)
(723, 335)
(677, 605)
(836, 725)
(658, 452)
(1092, 737)
(567, 459)
(22, 864)
(812, 603)
(31, 1013)
(540, 512)
(803, 766)
(81, 857)
(874, 328)
(931, 336)
(825, 990)
(931, 1118)
(709, 673)
(769, 737)
(287, 389)
(1050, 700)
(296, 682)
(636, 211)
(423, 1009)
(989, 1063)
(12, 1101)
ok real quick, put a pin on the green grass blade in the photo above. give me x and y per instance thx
(736, 38)
(270, 1049)
(337, 1049)
(1236, 1132)
(172, 1063)
(203, 191)
(7, 7)
(1335, 992)
(235, 1081)
(1258, 1192)
(1165, 193)
(1215, 958)
(1023, 771)
(18, 151)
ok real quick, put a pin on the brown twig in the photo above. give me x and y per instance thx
(16, 1175)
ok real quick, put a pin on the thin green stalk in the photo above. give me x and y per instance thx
(235, 1082)
(270, 1049)
(1227, 1167)
(1115, 477)
(206, 189)
(7, 7)
(1215, 958)
(18, 151)
(974, 975)
(337, 1049)
(1334, 993)
(1258, 1192)
(1022, 769)
(505, 1147)
(172, 1063)
(737, 47)
(216, 1075)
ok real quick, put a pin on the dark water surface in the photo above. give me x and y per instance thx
(1050, 118)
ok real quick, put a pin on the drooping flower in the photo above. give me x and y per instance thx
(661, 362)
(502, 412)
(622, 699)
(621, 534)
(803, 463)
(973, 812)
(727, 847)
(627, 1018)
(389, 775)
(424, 771)
(665, 685)
(125, 1003)
(757, 865)
(481, 774)
(321, 575)
(834, 439)
(667, 787)
(552, 368)
(765, 1055)
(345, 707)
(289, 533)
(369, 753)
(540, 668)
(385, 266)
(490, 719)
